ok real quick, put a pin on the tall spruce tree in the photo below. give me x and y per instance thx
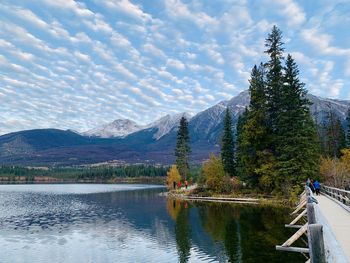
(348, 129)
(255, 139)
(182, 149)
(274, 76)
(240, 150)
(278, 145)
(227, 145)
(296, 137)
(335, 138)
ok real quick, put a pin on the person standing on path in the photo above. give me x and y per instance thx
(312, 186)
(317, 187)
(179, 185)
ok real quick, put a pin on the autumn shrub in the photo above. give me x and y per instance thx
(214, 174)
(336, 172)
(173, 175)
(236, 183)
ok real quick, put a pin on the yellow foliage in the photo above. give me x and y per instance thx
(214, 174)
(236, 183)
(336, 172)
(345, 158)
(173, 175)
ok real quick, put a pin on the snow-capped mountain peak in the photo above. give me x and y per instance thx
(117, 128)
(124, 127)
(167, 123)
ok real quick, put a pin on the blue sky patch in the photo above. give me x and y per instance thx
(79, 64)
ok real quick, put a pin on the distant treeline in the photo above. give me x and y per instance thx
(123, 171)
(91, 173)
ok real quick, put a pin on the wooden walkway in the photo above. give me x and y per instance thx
(339, 221)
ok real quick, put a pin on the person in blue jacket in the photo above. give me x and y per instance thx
(317, 187)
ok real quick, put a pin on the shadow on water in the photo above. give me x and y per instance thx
(136, 225)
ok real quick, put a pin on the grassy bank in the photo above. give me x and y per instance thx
(250, 196)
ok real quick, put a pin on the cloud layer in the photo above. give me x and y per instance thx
(74, 64)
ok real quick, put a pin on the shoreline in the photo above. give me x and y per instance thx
(256, 200)
(222, 199)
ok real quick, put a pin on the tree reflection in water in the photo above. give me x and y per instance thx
(247, 233)
(223, 225)
(179, 211)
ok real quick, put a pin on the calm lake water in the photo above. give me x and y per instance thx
(132, 223)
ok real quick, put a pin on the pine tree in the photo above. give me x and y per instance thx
(278, 146)
(274, 76)
(335, 138)
(227, 145)
(348, 129)
(296, 137)
(182, 149)
(341, 138)
(255, 138)
(239, 151)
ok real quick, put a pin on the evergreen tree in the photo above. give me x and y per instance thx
(335, 138)
(278, 146)
(255, 138)
(296, 138)
(182, 149)
(274, 76)
(227, 145)
(348, 129)
(341, 138)
(240, 153)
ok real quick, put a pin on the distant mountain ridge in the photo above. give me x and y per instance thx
(127, 141)
(117, 128)
(166, 124)
(123, 127)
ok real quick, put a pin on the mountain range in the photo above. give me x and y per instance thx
(123, 127)
(127, 141)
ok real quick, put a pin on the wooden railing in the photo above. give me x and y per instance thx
(322, 245)
(340, 195)
(305, 214)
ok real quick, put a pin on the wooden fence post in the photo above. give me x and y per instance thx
(311, 219)
(316, 243)
(308, 193)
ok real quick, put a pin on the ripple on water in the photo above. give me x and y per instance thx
(75, 224)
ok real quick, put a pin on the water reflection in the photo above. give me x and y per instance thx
(179, 212)
(135, 226)
(238, 233)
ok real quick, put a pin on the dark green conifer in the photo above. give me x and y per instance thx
(334, 135)
(278, 146)
(255, 138)
(240, 153)
(296, 137)
(182, 149)
(227, 145)
(274, 75)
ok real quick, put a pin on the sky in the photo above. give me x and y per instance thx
(80, 64)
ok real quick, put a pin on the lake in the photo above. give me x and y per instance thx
(132, 223)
